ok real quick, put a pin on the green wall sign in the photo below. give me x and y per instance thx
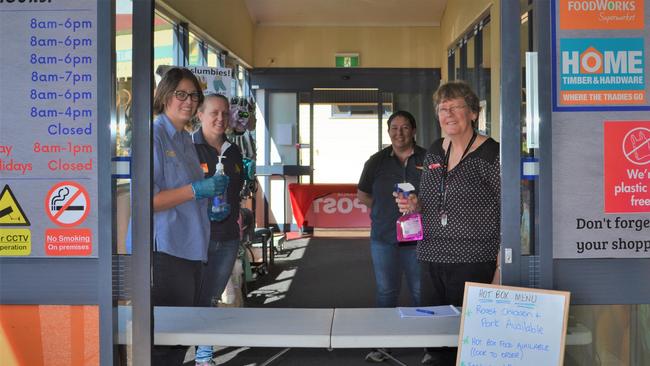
(347, 60)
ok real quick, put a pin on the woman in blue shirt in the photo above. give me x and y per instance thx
(180, 201)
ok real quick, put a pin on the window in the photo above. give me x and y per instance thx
(469, 60)
(196, 55)
(163, 40)
(213, 57)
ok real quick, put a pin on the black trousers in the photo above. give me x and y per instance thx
(448, 279)
(448, 287)
(176, 282)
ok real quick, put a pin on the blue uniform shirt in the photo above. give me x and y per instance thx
(184, 230)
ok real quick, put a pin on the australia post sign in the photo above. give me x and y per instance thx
(338, 210)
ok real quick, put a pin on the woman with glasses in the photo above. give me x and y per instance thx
(459, 198)
(180, 201)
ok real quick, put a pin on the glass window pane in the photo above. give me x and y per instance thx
(337, 165)
(123, 68)
(121, 144)
(240, 80)
(528, 203)
(612, 334)
(195, 50)
(163, 40)
(457, 74)
(387, 105)
(484, 88)
(470, 75)
(212, 57)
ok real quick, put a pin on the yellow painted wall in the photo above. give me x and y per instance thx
(405, 47)
(227, 21)
(458, 17)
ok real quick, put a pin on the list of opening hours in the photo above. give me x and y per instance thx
(48, 128)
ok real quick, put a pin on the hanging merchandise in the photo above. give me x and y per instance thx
(242, 122)
(242, 115)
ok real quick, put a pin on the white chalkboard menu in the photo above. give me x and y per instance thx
(510, 326)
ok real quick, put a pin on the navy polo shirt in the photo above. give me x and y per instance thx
(380, 174)
(227, 229)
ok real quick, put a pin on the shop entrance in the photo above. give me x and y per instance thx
(340, 129)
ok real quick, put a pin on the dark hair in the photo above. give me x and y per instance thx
(213, 96)
(404, 114)
(457, 89)
(168, 85)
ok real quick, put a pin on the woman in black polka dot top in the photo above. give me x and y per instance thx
(459, 198)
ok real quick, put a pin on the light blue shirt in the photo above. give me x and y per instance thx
(184, 230)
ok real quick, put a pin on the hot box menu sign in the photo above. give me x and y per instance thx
(48, 128)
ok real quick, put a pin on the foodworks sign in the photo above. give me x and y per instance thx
(601, 14)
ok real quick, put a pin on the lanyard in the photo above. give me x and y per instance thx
(442, 193)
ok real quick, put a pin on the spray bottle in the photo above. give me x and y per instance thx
(219, 203)
(409, 225)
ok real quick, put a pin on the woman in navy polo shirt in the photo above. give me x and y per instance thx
(180, 201)
(211, 143)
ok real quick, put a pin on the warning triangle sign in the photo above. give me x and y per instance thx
(11, 214)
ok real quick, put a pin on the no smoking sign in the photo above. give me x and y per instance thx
(67, 204)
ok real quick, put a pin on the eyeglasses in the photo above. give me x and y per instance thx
(451, 110)
(182, 95)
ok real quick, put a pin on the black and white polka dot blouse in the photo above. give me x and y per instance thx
(473, 207)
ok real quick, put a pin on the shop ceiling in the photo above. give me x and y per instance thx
(346, 13)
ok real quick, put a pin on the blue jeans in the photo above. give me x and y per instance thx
(215, 275)
(389, 262)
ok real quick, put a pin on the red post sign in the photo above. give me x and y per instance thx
(627, 166)
(338, 210)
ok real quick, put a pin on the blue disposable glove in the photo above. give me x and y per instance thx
(209, 187)
(220, 184)
(219, 216)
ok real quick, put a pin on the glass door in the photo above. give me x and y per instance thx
(347, 126)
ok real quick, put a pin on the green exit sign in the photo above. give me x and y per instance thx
(347, 60)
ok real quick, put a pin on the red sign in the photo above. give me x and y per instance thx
(627, 166)
(338, 210)
(68, 242)
(67, 204)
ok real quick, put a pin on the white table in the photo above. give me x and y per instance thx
(253, 327)
(306, 328)
(383, 328)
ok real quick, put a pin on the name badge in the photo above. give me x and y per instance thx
(170, 153)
